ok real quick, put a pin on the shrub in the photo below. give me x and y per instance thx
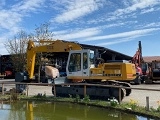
(113, 102)
(133, 104)
(86, 99)
(77, 99)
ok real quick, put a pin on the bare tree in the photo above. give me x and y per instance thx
(42, 33)
(16, 47)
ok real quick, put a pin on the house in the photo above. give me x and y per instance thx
(149, 59)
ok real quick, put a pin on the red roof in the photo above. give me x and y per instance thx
(151, 58)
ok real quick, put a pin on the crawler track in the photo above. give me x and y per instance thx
(94, 92)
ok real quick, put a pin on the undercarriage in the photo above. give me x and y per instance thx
(115, 89)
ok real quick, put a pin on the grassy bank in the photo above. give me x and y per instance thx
(130, 107)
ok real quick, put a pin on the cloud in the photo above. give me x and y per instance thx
(78, 34)
(76, 9)
(27, 6)
(121, 35)
(11, 17)
(147, 10)
(119, 40)
(130, 9)
(3, 50)
(150, 10)
(141, 4)
(2, 47)
(149, 25)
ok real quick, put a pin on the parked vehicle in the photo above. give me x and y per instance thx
(81, 68)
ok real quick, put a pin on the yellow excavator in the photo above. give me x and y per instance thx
(81, 68)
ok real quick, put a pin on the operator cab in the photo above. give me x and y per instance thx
(80, 62)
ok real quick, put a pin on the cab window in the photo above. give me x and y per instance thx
(75, 62)
(85, 61)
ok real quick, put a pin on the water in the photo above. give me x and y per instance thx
(24, 110)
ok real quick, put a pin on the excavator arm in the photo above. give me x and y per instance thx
(51, 46)
(137, 58)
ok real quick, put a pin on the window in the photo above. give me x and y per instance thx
(144, 67)
(85, 61)
(91, 57)
(75, 62)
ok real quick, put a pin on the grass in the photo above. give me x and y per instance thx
(129, 107)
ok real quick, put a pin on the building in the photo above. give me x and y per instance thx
(6, 65)
(149, 59)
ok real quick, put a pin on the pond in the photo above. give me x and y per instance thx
(35, 110)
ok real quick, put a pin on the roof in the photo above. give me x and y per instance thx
(151, 58)
(108, 51)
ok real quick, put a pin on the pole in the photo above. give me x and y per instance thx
(147, 103)
(84, 90)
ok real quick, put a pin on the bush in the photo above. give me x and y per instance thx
(113, 102)
(77, 99)
(86, 99)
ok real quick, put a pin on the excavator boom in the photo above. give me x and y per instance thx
(47, 46)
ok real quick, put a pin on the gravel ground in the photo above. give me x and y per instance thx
(140, 95)
(136, 95)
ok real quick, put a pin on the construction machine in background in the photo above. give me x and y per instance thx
(142, 67)
(146, 72)
(81, 68)
(154, 72)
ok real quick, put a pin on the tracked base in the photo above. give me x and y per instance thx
(94, 92)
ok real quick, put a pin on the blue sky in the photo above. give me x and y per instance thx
(114, 24)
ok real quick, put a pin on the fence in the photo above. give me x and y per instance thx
(145, 96)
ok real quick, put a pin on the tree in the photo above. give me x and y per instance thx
(42, 33)
(16, 47)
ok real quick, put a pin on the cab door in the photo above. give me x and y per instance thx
(78, 64)
(74, 64)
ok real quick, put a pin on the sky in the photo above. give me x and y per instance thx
(115, 24)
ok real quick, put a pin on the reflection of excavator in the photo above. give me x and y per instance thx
(81, 68)
(41, 110)
(70, 111)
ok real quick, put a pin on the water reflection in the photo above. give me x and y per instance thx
(25, 110)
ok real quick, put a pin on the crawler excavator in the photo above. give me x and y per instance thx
(81, 68)
(142, 68)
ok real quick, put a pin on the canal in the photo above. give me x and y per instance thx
(35, 110)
